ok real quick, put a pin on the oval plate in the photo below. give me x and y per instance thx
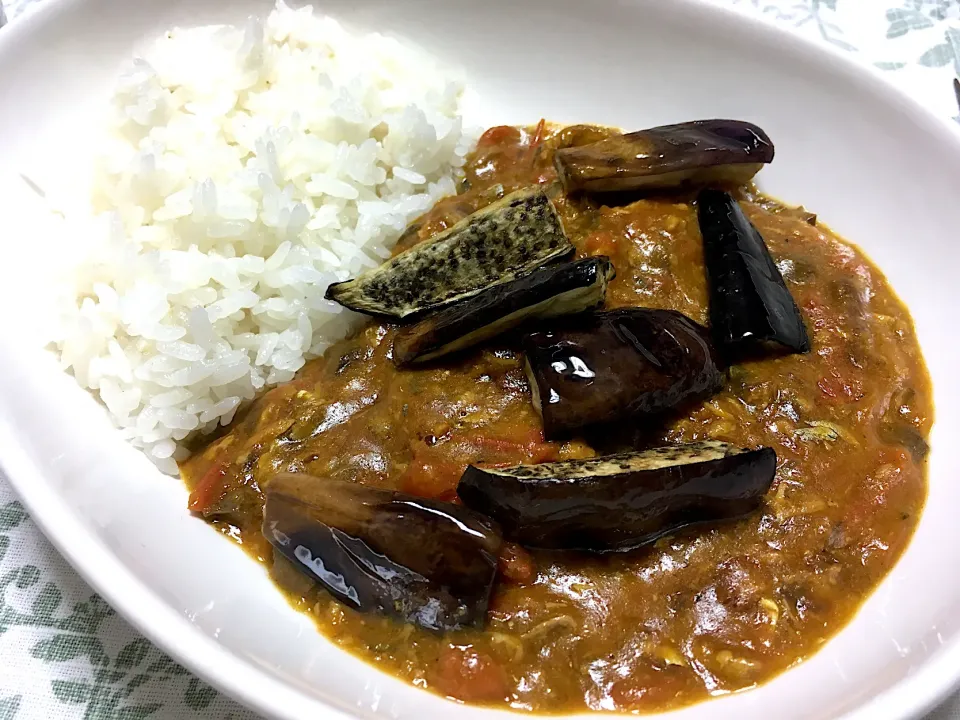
(874, 165)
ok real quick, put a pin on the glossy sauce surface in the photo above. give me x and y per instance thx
(697, 614)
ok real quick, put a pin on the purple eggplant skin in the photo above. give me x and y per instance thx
(750, 305)
(618, 364)
(421, 561)
(695, 154)
(621, 502)
(548, 292)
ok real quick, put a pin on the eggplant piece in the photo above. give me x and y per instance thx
(564, 289)
(618, 364)
(620, 502)
(503, 241)
(749, 303)
(422, 561)
(670, 156)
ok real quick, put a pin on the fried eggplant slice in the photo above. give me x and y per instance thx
(750, 305)
(422, 561)
(618, 364)
(496, 244)
(563, 289)
(620, 502)
(670, 156)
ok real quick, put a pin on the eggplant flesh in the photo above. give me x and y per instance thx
(564, 289)
(750, 304)
(621, 502)
(618, 364)
(695, 153)
(496, 244)
(421, 561)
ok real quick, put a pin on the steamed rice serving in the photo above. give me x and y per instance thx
(245, 170)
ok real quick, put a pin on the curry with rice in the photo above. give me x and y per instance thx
(543, 483)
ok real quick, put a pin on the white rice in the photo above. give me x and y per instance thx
(245, 170)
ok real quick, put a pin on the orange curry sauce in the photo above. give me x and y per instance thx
(700, 613)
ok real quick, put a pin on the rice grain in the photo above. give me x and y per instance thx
(245, 169)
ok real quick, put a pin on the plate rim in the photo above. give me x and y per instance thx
(912, 697)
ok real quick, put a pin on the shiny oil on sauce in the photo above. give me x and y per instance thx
(698, 614)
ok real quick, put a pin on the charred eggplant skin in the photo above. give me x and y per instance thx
(564, 289)
(422, 561)
(504, 240)
(618, 364)
(749, 302)
(670, 156)
(620, 507)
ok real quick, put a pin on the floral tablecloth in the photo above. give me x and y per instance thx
(64, 653)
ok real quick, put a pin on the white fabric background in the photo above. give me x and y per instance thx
(65, 654)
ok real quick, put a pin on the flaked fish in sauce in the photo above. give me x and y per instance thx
(698, 613)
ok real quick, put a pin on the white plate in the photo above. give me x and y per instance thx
(874, 165)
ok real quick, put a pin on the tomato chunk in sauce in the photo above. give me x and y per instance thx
(696, 614)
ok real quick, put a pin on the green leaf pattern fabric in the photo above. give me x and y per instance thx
(65, 654)
(916, 41)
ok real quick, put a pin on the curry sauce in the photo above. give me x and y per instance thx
(700, 613)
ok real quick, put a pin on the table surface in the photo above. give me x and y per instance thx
(64, 653)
